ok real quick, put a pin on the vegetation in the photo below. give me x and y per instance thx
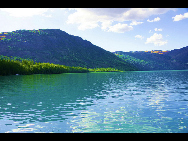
(139, 63)
(171, 60)
(58, 47)
(17, 65)
(14, 66)
(104, 70)
(53, 46)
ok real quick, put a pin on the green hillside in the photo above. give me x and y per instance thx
(58, 47)
(169, 60)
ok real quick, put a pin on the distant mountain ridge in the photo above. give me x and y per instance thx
(58, 47)
(176, 59)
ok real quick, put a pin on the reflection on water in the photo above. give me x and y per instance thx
(155, 101)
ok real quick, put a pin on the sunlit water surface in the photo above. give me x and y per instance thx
(155, 101)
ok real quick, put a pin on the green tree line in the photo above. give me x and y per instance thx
(16, 65)
(104, 70)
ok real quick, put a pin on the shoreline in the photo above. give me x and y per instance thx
(90, 72)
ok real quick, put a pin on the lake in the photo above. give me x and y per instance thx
(125, 102)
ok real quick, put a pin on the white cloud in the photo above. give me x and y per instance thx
(142, 13)
(155, 20)
(180, 17)
(89, 25)
(88, 18)
(105, 25)
(156, 39)
(139, 36)
(150, 31)
(25, 12)
(120, 28)
(158, 29)
(135, 23)
(85, 19)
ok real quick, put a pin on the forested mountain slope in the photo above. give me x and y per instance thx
(168, 60)
(58, 47)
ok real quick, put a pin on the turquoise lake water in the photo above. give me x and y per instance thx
(135, 102)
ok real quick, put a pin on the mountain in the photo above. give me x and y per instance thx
(58, 47)
(180, 56)
(156, 60)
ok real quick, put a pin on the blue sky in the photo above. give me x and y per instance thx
(114, 29)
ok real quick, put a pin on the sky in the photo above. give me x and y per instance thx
(113, 29)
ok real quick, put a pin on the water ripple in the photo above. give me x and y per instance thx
(96, 102)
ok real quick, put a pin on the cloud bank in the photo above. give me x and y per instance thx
(89, 18)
